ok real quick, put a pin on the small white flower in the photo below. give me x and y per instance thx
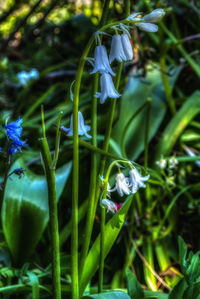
(107, 88)
(82, 128)
(190, 153)
(147, 27)
(122, 185)
(162, 163)
(136, 180)
(109, 205)
(154, 16)
(134, 17)
(116, 50)
(101, 63)
(128, 51)
(173, 162)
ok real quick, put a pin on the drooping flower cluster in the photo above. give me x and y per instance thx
(146, 23)
(124, 186)
(25, 77)
(13, 133)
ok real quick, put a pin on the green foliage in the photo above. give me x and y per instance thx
(109, 295)
(25, 211)
(134, 288)
(112, 229)
(189, 286)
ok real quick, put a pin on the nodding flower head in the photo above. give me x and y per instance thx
(14, 129)
(107, 89)
(128, 50)
(117, 51)
(136, 180)
(109, 205)
(122, 185)
(101, 63)
(16, 146)
(82, 128)
(147, 20)
(154, 16)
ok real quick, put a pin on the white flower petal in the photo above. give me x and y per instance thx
(154, 16)
(107, 88)
(128, 51)
(116, 51)
(101, 63)
(147, 27)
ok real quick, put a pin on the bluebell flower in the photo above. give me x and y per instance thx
(14, 129)
(122, 185)
(107, 89)
(154, 16)
(82, 128)
(101, 63)
(24, 77)
(147, 27)
(127, 47)
(116, 50)
(137, 180)
(16, 146)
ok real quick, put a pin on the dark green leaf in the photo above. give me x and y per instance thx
(25, 211)
(109, 295)
(134, 288)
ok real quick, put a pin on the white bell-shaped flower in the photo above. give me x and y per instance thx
(117, 50)
(101, 63)
(154, 16)
(82, 128)
(127, 47)
(107, 89)
(122, 185)
(147, 27)
(109, 205)
(136, 180)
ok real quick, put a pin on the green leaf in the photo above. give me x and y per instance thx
(177, 124)
(182, 252)
(35, 285)
(158, 295)
(25, 211)
(134, 288)
(136, 94)
(109, 295)
(112, 229)
(178, 290)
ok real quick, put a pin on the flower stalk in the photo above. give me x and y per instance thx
(53, 214)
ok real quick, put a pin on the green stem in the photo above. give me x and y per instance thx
(146, 138)
(127, 8)
(101, 265)
(127, 127)
(93, 177)
(167, 87)
(53, 214)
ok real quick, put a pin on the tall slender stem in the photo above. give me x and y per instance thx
(101, 265)
(93, 175)
(146, 135)
(53, 213)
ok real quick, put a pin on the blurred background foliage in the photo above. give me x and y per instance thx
(50, 35)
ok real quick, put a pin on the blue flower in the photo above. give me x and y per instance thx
(24, 77)
(82, 128)
(16, 146)
(107, 89)
(14, 129)
(101, 63)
